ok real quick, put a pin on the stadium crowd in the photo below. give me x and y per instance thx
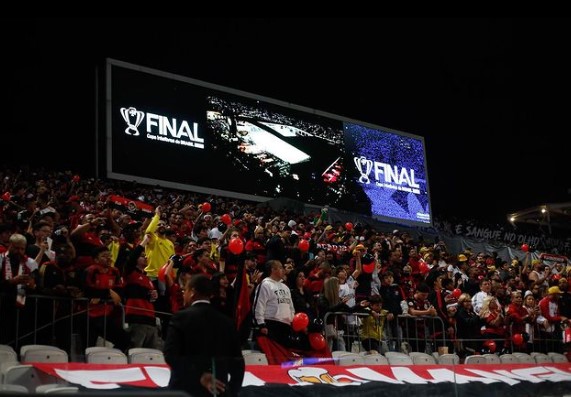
(70, 250)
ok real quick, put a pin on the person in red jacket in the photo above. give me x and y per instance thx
(102, 286)
(257, 244)
(140, 293)
(518, 317)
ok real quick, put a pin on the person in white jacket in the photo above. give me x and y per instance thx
(273, 306)
(478, 298)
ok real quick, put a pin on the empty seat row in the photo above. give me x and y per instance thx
(397, 358)
(138, 355)
(94, 355)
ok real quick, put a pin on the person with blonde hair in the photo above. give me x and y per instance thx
(494, 320)
(465, 316)
(329, 302)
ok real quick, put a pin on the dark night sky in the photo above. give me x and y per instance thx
(475, 89)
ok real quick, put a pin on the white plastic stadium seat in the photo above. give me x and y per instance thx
(509, 359)
(28, 376)
(475, 360)
(524, 358)
(9, 389)
(339, 353)
(557, 357)
(92, 349)
(7, 347)
(255, 359)
(8, 355)
(4, 365)
(492, 358)
(449, 359)
(63, 390)
(395, 358)
(135, 350)
(375, 359)
(395, 354)
(541, 358)
(45, 356)
(109, 356)
(150, 357)
(349, 359)
(41, 389)
(246, 351)
(422, 358)
(24, 349)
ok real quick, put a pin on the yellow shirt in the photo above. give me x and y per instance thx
(372, 328)
(159, 249)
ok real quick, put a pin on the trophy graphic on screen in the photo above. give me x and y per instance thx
(364, 166)
(133, 118)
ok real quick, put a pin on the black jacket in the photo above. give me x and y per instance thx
(201, 339)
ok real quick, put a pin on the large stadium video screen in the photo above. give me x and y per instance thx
(177, 132)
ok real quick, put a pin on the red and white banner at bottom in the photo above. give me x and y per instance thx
(107, 376)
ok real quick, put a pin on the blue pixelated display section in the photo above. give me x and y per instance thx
(390, 169)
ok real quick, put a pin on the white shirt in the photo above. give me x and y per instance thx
(273, 302)
(348, 289)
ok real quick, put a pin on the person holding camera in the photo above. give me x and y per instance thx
(175, 285)
(85, 238)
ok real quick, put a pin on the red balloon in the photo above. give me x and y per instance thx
(517, 339)
(317, 341)
(368, 268)
(525, 247)
(6, 196)
(206, 207)
(490, 345)
(300, 322)
(162, 273)
(349, 226)
(456, 293)
(75, 179)
(236, 246)
(226, 219)
(303, 245)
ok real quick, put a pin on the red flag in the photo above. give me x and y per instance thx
(137, 209)
(243, 305)
(280, 355)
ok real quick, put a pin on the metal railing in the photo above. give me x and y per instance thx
(423, 333)
(65, 322)
(54, 320)
(343, 332)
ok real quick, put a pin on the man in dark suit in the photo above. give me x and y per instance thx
(203, 346)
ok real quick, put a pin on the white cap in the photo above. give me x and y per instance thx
(292, 223)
